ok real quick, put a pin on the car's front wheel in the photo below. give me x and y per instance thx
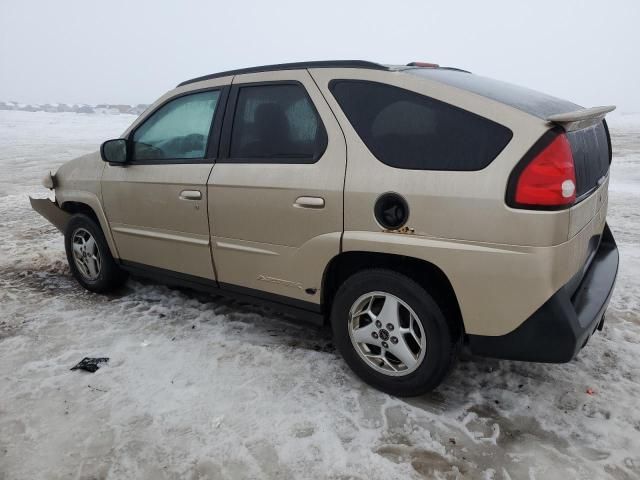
(392, 333)
(89, 257)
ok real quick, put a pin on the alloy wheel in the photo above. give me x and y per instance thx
(86, 254)
(387, 334)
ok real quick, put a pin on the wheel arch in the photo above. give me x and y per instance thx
(96, 213)
(428, 275)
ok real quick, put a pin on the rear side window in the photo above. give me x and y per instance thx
(177, 130)
(404, 129)
(276, 124)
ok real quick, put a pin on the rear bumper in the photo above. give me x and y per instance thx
(51, 211)
(557, 331)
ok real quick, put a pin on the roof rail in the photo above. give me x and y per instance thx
(292, 66)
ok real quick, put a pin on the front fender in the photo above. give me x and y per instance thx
(92, 201)
(78, 182)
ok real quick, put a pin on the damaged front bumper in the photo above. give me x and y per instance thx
(51, 211)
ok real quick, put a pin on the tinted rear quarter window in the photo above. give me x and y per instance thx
(404, 129)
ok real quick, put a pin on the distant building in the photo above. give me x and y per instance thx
(105, 108)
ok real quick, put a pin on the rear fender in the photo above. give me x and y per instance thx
(497, 286)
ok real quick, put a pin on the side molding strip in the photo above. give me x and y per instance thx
(244, 248)
(160, 235)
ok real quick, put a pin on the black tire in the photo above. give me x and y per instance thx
(440, 343)
(110, 275)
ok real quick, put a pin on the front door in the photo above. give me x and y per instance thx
(275, 193)
(156, 203)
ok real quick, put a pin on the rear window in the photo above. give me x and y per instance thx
(534, 103)
(404, 129)
(590, 149)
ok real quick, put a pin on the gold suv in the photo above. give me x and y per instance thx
(416, 208)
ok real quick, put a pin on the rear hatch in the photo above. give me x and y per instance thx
(585, 129)
(590, 142)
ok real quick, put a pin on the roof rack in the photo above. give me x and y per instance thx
(292, 66)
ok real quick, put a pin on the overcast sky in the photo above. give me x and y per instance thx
(133, 51)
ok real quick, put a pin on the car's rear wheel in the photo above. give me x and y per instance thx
(89, 257)
(392, 333)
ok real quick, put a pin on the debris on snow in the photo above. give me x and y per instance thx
(90, 364)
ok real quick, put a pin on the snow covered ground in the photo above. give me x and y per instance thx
(200, 387)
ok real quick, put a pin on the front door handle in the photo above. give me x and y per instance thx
(190, 195)
(309, 202)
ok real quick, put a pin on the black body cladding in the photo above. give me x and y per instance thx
(558, 330)
(306, 311)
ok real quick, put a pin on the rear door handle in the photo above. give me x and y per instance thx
(190, 195)
(309, 202)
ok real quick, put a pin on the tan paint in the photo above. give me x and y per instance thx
(244, 264)
(79, 181)
(253, 207)
(151, 224)
(458, 205)
(582, 213)
(154, 221)
(503, 263)
(498, 286)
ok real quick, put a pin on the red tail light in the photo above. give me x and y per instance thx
(549, 180)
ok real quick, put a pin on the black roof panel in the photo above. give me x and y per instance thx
(530, 101)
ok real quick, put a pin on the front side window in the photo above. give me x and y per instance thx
(276, 124)
(404, 129)
(178, 130)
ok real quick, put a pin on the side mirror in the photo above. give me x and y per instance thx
(114, 151)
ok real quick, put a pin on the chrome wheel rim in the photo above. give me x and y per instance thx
(86, 255)
(387, 334)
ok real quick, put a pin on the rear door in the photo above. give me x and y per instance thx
(156, 204)
(275, 193)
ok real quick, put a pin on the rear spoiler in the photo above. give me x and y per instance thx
(580, 118)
